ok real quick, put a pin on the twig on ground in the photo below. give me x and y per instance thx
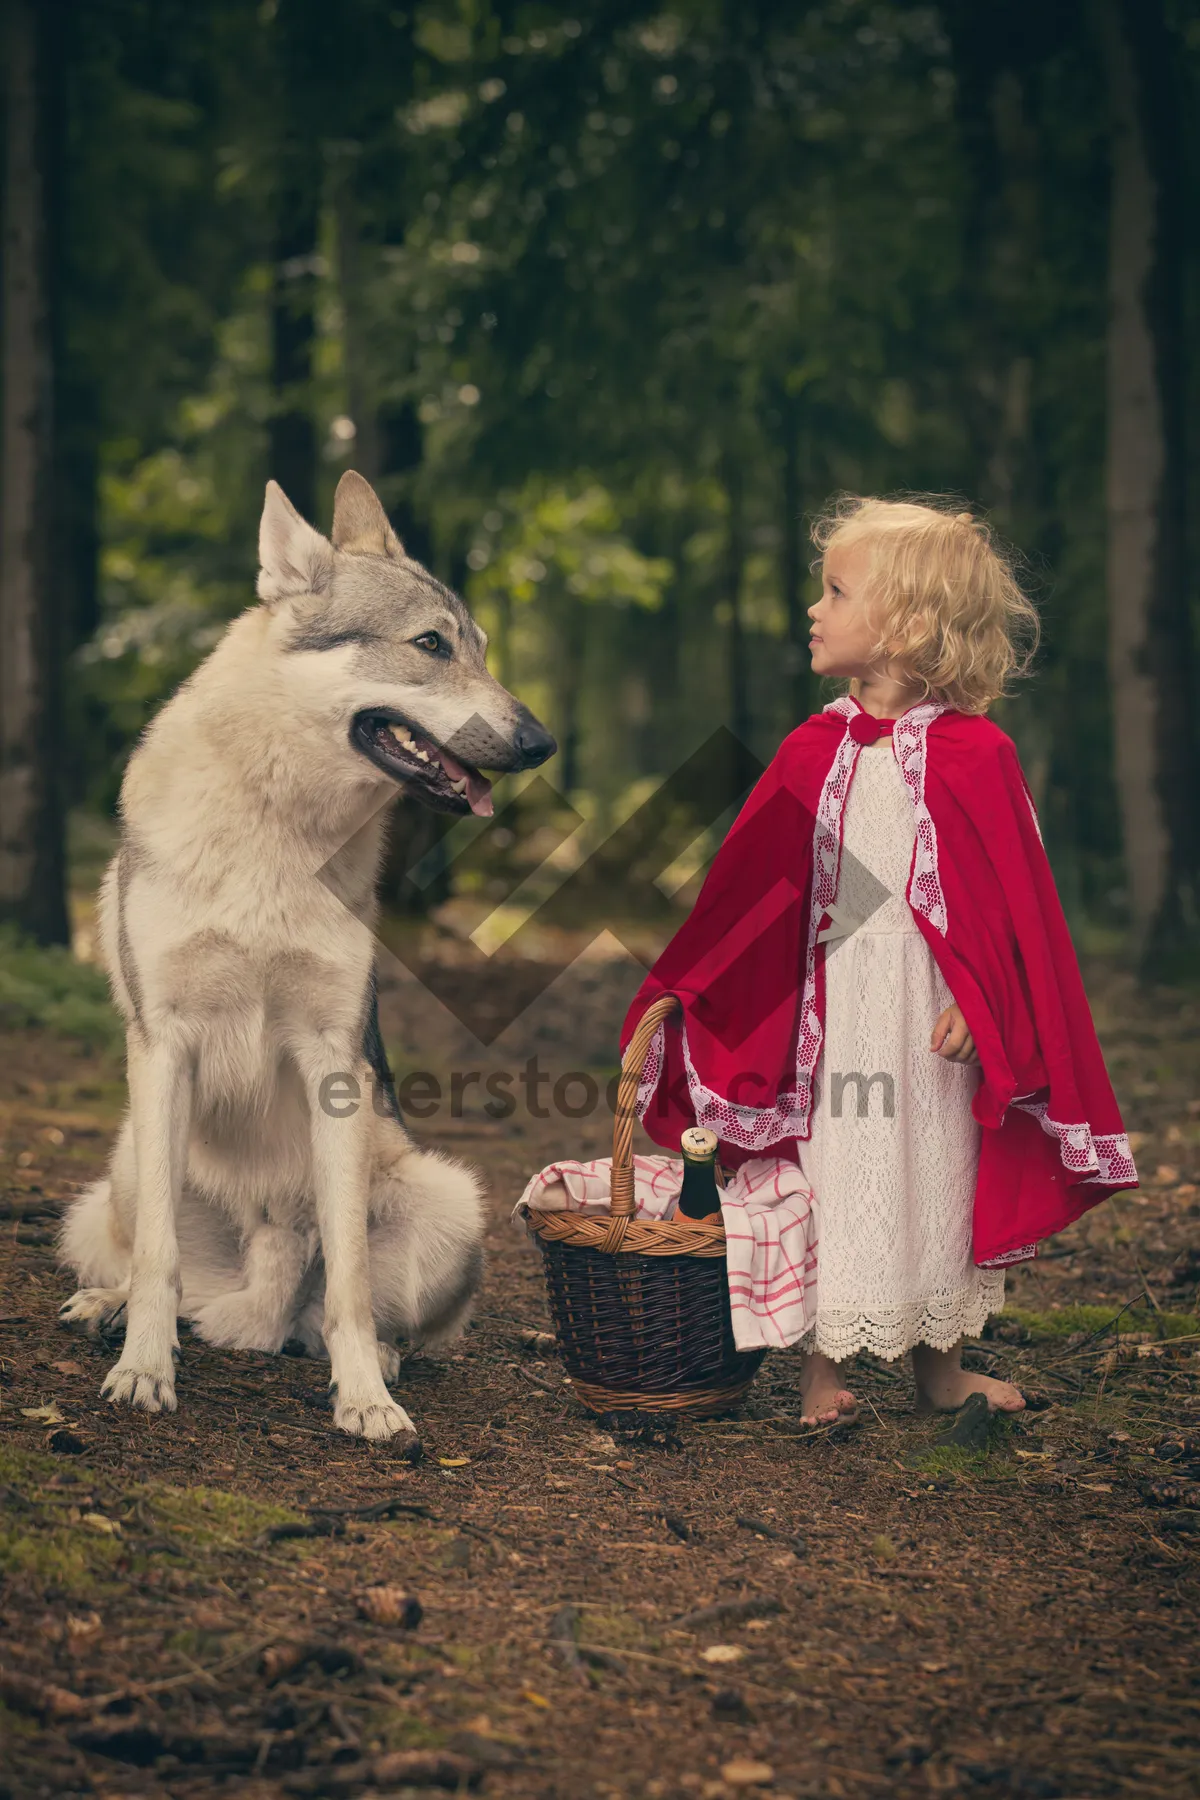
(537, 1380)
(761, 1529)
(726, 1612)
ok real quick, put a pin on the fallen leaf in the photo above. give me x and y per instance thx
(932, 1668)
(722, 1653)
(53, 1135)
(742, 1773)
(1166, 1174)
(534, 1699)
(44, 1415)
(883, 1548)
(453, 1462)
(68, 1368)
(1097, 1487)
(98, 1522)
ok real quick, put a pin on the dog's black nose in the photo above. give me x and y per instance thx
(533, 744)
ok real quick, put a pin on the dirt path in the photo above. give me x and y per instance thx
(899, 1618)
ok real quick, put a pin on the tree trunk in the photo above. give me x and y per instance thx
(293, 438)
(797, 660)
(1150, 649)
(32, 848)
(359, 400)
(299, 63)
(735, 564)
(572, 636)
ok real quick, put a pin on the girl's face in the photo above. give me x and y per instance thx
(843, 638)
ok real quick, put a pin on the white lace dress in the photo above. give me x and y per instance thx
(894, 1148)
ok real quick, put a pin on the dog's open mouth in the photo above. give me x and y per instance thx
(438, 778)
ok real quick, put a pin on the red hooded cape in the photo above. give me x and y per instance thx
(748, 968)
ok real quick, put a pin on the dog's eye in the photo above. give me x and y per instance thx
(433, 642)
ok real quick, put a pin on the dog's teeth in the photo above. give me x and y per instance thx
(423, 754)
(460, 787)
(398, 732)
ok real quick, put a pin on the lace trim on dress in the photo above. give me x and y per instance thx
(749, 1127)
(1009, 1256)
(890, 1331)
(651, 1070)
(908, 743)
(1108, 1158)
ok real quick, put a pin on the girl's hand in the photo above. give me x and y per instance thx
(952, 1039)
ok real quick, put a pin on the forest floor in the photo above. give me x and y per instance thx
(875, 1613)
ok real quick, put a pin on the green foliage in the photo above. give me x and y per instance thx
(47, 987)
(604, 303)
(567, 545)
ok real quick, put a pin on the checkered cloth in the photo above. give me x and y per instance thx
(770, 1232)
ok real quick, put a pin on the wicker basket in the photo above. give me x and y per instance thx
(641, 1306)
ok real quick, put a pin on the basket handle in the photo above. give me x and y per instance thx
(622, 1203)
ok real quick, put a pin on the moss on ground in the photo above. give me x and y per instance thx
(209, 1516)
(949, 1459)
(56, 1533)
(79, 1558)
(1066, 1321)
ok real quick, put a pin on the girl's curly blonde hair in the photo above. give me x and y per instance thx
(951, 615)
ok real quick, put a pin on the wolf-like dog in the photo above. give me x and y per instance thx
(246, 1192)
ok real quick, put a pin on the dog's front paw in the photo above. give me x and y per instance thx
(147, 1390)
(97, 1310)
(389, 1361)
(379, 1420)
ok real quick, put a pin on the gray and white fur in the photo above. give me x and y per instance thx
(236, 925)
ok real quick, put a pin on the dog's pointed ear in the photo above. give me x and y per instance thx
(360, 525)
(292, 557)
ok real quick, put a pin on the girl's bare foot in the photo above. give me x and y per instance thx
(824, 1398)
(943, 1385)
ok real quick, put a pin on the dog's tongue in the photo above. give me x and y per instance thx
(479, 788)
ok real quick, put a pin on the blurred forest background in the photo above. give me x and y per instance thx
(606, 300)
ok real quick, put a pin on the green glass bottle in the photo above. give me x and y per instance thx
(699, 1196)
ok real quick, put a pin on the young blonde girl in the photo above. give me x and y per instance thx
(911, 1025)
(915, 602)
